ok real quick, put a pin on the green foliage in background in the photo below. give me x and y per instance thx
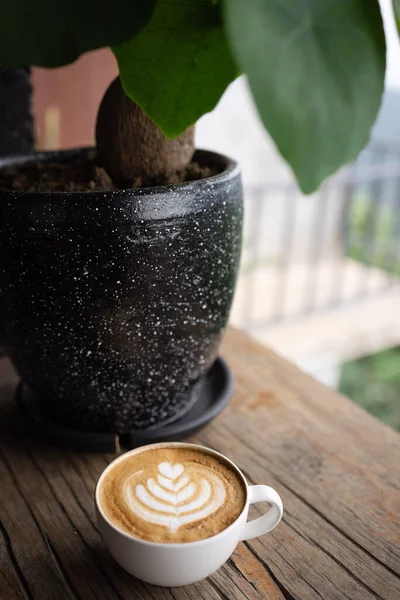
(316, 69)
(374, 383)
(385, 252)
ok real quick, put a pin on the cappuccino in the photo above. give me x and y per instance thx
(172, 494)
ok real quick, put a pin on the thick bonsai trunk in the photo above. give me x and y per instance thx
(16, 121)
(131, 148)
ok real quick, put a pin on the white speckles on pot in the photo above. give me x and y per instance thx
(113, 305)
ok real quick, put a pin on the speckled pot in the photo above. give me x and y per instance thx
(113, 304)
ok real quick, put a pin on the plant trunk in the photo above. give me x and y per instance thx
(132, 149)
(16, 121)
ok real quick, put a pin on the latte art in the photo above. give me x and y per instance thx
(172, 499)
(172, 494)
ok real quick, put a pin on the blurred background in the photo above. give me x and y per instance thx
(320, 274)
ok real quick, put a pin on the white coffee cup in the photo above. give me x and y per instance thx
(180, 564)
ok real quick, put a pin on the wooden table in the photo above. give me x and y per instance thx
(336, 468)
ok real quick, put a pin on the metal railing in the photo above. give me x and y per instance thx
(306, 254)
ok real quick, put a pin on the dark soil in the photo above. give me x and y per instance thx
(84, 175)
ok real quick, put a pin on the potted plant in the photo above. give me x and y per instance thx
(118, 264)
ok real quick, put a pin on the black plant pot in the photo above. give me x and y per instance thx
(113, 304)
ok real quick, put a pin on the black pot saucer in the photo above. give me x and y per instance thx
(214, 393)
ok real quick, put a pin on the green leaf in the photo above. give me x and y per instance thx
(48, 33)
(316, 69)
(178, 66)
(396, 5)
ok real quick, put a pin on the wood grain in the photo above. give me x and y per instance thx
(336, 468)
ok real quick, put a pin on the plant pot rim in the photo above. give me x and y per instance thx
(230, 170)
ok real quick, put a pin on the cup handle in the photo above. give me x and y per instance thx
(266, 523)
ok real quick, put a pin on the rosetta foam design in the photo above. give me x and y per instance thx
(172, 499)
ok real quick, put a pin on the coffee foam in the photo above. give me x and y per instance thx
(172, 494)
(171, 502)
